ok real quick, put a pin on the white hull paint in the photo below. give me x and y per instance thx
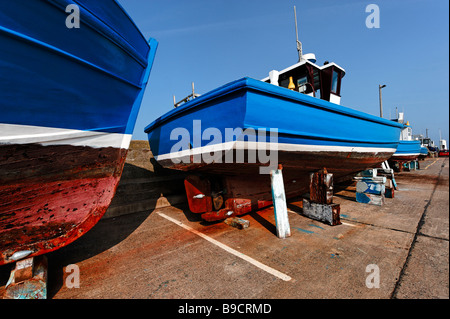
(25, 134)
(255, 146)
(405, 155)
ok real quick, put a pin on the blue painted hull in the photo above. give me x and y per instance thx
(90, 79)
(312, 133)
(407, 151)
(423, 152)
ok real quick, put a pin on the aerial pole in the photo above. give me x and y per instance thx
(299, 44)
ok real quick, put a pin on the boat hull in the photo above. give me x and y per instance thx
(68, 106)
(52, 195)
(407, 151)
(423, 152)
(444, 153)
(240, 132)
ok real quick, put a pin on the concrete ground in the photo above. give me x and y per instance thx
(169, 253)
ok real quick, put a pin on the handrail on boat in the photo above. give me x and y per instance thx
(192, 96)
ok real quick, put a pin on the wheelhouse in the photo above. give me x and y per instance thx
(306, 77)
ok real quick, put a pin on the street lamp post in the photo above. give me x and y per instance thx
(381, 101)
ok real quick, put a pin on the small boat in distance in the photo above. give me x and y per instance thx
(443, 150)
(230, 138)
(408, 149)
(444, 153)
(68, 106)
(428, 144)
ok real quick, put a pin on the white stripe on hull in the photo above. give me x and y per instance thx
(255, 146)
(26, 134)
(406, 154)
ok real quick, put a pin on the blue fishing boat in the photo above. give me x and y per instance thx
(408, 149)
(230, 138)
(423, 152)
(72, 78)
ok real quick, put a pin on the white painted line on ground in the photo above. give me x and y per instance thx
(252, 261)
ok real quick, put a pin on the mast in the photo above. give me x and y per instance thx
(299, 44)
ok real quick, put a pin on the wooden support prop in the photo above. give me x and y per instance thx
(372, 199)
(328, 213)
(380, 172)
(389, 193)
(389, 173)
(374, 185)
(372, 172)
(321, 187)
(28, 280)
(237, 222)
(320, 205)
(394, 183)
(279, 204)
(389, 188)
(24, 270)
(371, 186)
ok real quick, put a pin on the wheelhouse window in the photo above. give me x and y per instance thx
(330, 83)
(334, 82)
(302, 84)
(306, 79)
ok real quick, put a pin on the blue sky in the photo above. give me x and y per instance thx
(215, 42)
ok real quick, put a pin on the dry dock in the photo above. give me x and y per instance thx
(152, 247)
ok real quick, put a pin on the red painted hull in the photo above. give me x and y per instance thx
(52, 195)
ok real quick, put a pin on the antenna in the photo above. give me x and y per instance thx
(299, 44)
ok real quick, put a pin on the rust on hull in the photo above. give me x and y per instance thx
(52, 195)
